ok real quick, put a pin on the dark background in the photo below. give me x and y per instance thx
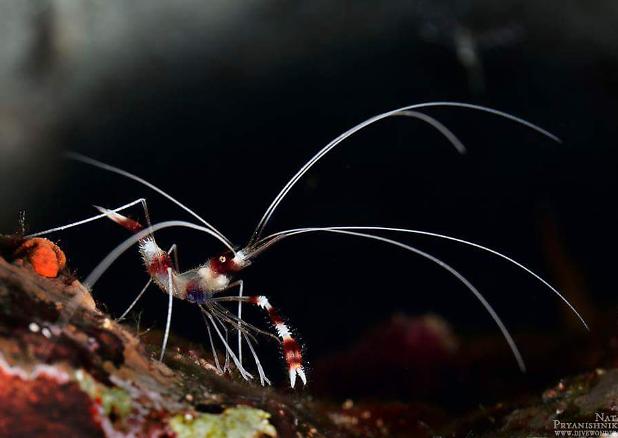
(220, 105)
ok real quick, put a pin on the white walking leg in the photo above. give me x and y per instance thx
(243, 372)
(240, 291)
(170, 292)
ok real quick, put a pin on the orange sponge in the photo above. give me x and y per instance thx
(46, 257)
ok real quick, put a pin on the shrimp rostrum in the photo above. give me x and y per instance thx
(209, 285)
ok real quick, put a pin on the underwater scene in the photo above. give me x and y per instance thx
(308, 219)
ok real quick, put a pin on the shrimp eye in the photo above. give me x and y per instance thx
(222, 259)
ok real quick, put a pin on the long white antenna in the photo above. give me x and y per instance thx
(400, 111)
(287, 233)
(441, 263)
(87, 160)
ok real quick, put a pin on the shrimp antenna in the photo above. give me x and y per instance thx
(505, 333)
(92, 162)
(397, 112)
(273, 238)
(460, 277)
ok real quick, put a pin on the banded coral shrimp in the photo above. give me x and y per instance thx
(205, 284)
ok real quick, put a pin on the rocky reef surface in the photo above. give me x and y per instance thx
(87, 375)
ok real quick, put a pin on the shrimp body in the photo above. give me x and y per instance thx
(213, 276)
(200, 285)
